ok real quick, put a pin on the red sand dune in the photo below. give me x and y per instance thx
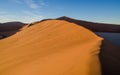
(51, 47)
(109, 52)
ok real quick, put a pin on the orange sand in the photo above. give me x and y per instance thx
(24, 27)
(51, 47)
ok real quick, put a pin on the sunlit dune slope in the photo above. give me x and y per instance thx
(24, 27)
(51, 47)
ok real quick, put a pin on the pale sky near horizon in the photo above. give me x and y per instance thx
(104, 11)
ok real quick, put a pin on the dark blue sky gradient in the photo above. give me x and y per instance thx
(106, 11)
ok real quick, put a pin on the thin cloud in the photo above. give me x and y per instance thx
(28, 16)
(30, 19)
(7, 18)
(30, 13)
(32, 4)
(17, 1)
(42, 3)
(25, 19)
(3, 12)
(31, 16)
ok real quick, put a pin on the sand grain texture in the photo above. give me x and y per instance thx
(51, 47)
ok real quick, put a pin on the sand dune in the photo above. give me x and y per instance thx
(96, 27)
(9, 28)
(51, 47)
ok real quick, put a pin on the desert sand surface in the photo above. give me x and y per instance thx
(52, 47)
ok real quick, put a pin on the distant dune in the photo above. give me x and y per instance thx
(9, 28)
(96, 27)
(52, 47)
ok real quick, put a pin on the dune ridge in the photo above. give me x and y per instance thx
(95, 27)
(52, 47)
(10, 28)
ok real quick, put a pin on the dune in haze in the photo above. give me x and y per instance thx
(52, 47)
(9, 28)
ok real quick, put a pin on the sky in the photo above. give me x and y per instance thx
(104, 11)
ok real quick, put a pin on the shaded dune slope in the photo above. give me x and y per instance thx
(96, 27)
(51, 47)
(9, 28)
(110, 58)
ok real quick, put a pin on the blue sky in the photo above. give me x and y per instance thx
(106, 11)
